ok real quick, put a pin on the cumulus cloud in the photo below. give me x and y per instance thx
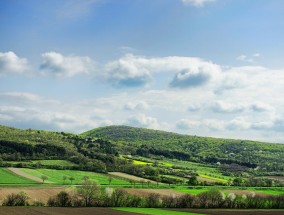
(193, 108)
(276, 125)
(133, 70)
(239, 123)
(197, 3)
(10, 63)
(261, 107)
(28, 110)
(243, 77)
(226, 107)
(19, 97)
(65, 66)
(143, 121)
(185, 124)
(140, 106)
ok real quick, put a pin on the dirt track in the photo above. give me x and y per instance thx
(130, 177)
(60, 211)
(26, 175)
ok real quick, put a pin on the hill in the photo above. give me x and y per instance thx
(143, 142)
(161, 155)
(31, 145)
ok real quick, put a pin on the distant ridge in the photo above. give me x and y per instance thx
(148, 142)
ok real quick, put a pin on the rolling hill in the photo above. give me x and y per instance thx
(100, 149)
(153, 143)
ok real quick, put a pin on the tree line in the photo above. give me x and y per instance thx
(91, 195)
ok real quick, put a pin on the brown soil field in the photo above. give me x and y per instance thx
(146, 192)
(232, 212)
(35, 193)
(130, 177)
(60, 211)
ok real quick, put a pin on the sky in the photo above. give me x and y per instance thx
(199, 67)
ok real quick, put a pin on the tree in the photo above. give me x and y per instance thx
(71, 179)
(89, 191)
(44, 177)
(63, 199)
(110, 179)
(64, 178)
(85, 178)
(237, 181)
(192, 181)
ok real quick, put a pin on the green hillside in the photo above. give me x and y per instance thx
(155, 155)
(155, 144)
(30, 148)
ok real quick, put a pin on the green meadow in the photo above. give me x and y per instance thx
(56, 176)
(8, 177)
(154, 211)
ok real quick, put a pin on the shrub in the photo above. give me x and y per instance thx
(153, 201)
(210, 199)
(20, 199)
(62, 199)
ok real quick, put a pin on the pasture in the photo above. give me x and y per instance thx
(8, 177)
(155, 211)
(56, 176)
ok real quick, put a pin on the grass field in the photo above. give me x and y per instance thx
(63, 163)
(137, 162)
(56, 176)
(8, 177)
(154, 211)
(212, 178)
(269, 191)
(192, 190)
(55, 163)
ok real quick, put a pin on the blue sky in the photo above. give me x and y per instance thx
(201, 67)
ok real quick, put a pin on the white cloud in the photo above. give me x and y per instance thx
(10, 63)
(248, 59)
(197, 3)
(193, 107)
(226, 107)
(185, 124)
(19, 96)
(239, 123)
(142, 120)
(133, 70)
(65, 66)
(261, 107)
(140, 106)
